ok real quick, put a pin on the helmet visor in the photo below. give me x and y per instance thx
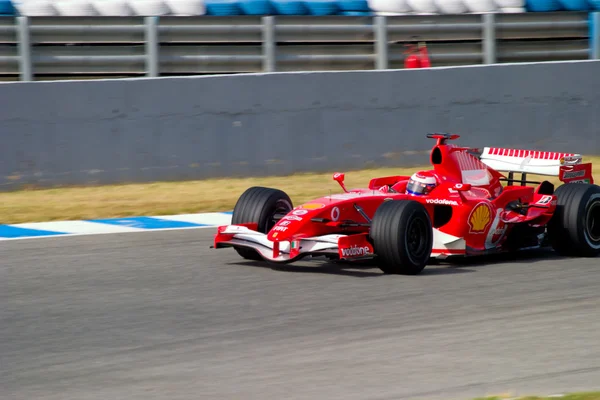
(415, 187)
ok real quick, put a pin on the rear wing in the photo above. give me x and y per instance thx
(568, 167)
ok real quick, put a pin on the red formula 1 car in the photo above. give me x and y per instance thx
(462, 206)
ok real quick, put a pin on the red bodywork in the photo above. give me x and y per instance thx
(471, 211)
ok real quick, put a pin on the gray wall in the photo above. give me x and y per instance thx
(140, 130)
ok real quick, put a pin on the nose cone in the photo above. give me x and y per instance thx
(295, 220)
(285, 227)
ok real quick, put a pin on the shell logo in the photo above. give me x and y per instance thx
(480, 218)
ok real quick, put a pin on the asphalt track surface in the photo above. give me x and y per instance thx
(158, 315)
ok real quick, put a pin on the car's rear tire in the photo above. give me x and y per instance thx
(259, 205)
(574, 229)
(402, 237)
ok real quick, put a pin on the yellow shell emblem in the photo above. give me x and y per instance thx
(480, 218)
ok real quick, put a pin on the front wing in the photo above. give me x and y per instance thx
(352, 247)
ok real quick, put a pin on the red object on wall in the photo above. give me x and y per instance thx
(425, 62)
(417, 57)
(412, 61)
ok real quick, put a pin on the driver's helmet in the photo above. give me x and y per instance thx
(421, 183)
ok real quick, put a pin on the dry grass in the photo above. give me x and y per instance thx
(164, 198)
(167, 198)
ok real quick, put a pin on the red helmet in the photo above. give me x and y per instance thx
(421, 183)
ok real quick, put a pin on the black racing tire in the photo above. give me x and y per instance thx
(402, 237)
(259, 205)
(574, 229)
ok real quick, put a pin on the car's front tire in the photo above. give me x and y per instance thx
(402, 236)
(574, 229)
(259, 205)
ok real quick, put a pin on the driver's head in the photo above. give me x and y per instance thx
(421, 183)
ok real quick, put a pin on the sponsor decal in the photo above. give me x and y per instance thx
(343, 196)
(280, 228)
(500, 231)
(545, 200)
(294, 248)
(312, 206)
(229, 229)
(292, 218)
(480, 218)
(335, 214)
(497, 230)
(442, 201)
(570, 160)
(275, 234)
(284, 223)
(355, 251)
(581, 181)
(573, 174)
(236, 228)
(299, 212)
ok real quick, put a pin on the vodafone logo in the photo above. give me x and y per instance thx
(442, 201)
(335, 214)
(355, 251)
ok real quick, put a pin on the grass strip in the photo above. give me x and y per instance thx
(168, 198)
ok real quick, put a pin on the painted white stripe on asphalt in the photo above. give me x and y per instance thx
(66, 235)
(205, 219)
(77, 227)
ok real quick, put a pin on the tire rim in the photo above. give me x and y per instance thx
(416, 238)
(593, 222)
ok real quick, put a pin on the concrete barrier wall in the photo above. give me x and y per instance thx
(97, 132)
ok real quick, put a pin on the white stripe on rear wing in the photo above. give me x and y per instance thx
(528, 161)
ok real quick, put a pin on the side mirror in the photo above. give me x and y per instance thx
(339, 178)
(462, 187)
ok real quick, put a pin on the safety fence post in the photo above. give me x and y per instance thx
(268, 43)
(152, 43)
(24, 49)
(489, 38)
(381, 43)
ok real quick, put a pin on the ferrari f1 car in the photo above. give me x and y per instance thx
(463, 206)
